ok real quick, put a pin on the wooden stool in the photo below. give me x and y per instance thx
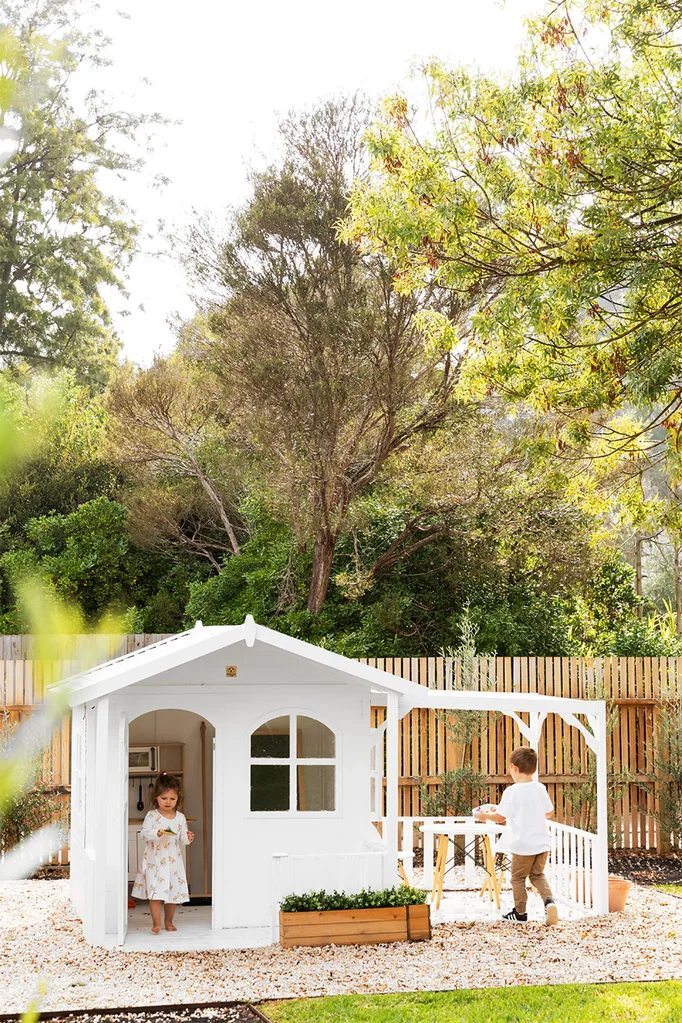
(406, 857)
(492, 884)
(401, 871)
(439, 869)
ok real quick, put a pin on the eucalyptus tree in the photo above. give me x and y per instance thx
(309, 338)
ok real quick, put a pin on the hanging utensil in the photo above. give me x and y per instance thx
(140, 804)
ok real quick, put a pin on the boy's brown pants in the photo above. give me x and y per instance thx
(533, 868)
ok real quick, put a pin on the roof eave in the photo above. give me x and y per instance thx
(124, 671)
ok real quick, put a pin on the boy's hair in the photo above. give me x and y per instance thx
(525, 760)
(163, 783)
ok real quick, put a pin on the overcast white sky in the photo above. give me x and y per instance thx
(227, 70)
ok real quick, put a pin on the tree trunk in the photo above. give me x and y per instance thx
(323, 556)
(678, 589)
(215, 500)
(639, 541)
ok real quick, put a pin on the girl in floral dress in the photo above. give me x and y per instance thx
(161, 878)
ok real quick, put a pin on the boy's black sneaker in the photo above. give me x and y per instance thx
(551, 913)
(515, 918)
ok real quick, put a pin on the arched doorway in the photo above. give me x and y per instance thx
(180, 742)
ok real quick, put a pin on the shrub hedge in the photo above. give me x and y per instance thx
(401, 895)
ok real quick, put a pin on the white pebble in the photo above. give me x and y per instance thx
(40, 940)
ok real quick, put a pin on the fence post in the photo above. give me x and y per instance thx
(662, 839)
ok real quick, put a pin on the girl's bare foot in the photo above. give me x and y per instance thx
(168, 916)
(155, 929)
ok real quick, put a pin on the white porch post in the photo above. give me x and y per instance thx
(537, 719)
(121, 867)
(600, 868)
(391, 820)
(98, 829)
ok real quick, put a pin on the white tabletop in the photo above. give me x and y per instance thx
(464, 826)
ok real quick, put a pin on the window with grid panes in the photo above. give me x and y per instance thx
(293, 766)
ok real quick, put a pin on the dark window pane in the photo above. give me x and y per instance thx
(314, 738)
(269, 786)
(315, 789)
(271, 739)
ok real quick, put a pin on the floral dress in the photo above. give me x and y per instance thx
(162, 874)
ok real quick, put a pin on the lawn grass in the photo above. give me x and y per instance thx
(571, 1003)
(671, 889)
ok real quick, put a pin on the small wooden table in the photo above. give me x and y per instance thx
(470, 829)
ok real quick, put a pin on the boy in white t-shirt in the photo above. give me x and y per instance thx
(525, 807)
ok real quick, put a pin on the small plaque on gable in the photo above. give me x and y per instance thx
(231, 671)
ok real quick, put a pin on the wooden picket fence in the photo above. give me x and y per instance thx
(636, 688)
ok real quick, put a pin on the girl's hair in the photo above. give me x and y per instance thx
(163, 783)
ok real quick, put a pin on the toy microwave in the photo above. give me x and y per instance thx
(143, 759)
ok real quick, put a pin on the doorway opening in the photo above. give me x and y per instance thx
(179, 742)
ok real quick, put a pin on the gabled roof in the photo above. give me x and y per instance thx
(120, 672)
(171, 653)
(175, 651)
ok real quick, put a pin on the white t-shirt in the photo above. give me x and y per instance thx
(524, 806)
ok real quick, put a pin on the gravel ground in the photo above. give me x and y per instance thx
(227, 1014)
(40, 942)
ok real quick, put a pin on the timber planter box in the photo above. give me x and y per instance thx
(355, 926)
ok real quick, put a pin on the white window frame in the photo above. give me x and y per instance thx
(293, 762)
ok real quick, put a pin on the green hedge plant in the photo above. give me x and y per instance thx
(401, 895)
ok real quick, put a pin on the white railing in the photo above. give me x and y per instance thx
(346, 872)
(407, 839)
(410, 838)
(59, 859)
(572, 865)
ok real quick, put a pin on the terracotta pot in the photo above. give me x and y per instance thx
(618, 893)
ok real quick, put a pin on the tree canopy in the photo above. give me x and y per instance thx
(433, 376)
(64, 235)
(555, 195)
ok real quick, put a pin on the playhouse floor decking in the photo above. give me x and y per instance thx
(459, 905)
(194, 932)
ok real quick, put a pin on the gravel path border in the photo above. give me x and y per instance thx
(40, 941)
(216, 1012)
